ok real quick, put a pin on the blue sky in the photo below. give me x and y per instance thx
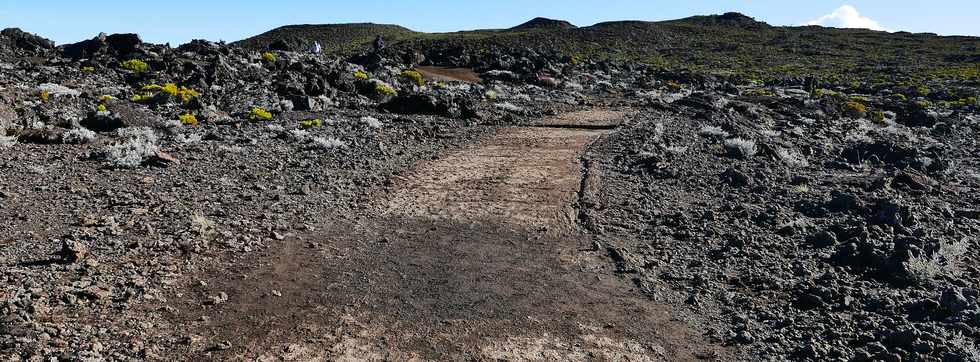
(178, 21)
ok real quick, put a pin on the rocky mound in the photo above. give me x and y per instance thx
(16, 40)
(727, 19)
(544, 23)
(332, 37)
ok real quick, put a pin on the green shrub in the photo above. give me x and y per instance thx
(854, 109)
(188, 119)
(142, 98)
(310, 123)
(877, 116)
(360, 74)
(758, 92)
(136, 66)
(259, 114)
(413, 76)
(88, 69)
(45, 95)
(384, 90)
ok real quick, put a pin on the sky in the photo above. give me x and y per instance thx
(179, 21)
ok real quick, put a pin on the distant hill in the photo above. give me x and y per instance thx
(340, 38)
(731, 43)
(544, 23)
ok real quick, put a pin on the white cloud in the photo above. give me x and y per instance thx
(847, 17)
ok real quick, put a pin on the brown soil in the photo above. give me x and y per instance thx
(447, 74)
(473, 256)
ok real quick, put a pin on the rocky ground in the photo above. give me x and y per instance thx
(799, 219)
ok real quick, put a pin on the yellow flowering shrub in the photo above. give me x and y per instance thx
(184, 94)
(310, 123)
(413, 76)
(259, 114)
(188, 119)
(384, 90)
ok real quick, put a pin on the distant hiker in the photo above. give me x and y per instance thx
(379, 43)
(315, 48)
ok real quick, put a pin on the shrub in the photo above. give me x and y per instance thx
(877, 116)
(509, 107)
(188, 119)
(298, 135)
(712, 132)
(371, 122)
(854, 109)
(88, 69)
(792, 158)
(142, 98)
(491, 95)
(45, 95)
(7, 142)
(384, 90)
(413, 76)
(194, 138)
(360, 74)
(78, 136)
(259, 114)
(924, 267)
(101, 108)
(184, 94)
(140, 145)
(438, 85)
(136, 66)
(328, 143)
(741, 148)
(269, 57)
(968, 101)
(310, 123)
(674, 86)
(900, 97)
(760, 92)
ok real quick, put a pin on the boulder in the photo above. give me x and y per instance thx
(122, 114)
(124, 43)
(416, 104)
(26, 41)
(116, 44)
(735, 178)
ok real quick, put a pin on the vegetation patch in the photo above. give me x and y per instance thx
(259, 114)
(136, 66)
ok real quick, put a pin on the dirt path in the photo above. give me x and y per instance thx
(472, 256)
(448, 74)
